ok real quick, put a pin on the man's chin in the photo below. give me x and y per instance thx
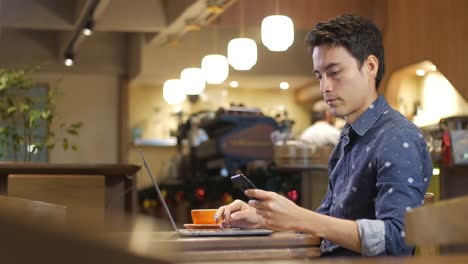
(337, 113)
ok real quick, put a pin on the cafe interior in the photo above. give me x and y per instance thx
(118, 118)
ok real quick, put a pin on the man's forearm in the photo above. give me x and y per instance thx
(340, 231)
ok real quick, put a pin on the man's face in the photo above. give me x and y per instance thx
(347, 89)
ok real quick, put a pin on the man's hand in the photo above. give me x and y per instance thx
(239, 214)
(279, 213)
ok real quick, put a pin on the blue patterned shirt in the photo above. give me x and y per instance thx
(379, 170)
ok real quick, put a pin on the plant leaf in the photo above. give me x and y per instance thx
(65, 144)
(72, 131)
(11, 109)
(77, 124)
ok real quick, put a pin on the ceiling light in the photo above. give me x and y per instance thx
(433, 67)
(284, 85)
(193, 81)
(234, 84)
(420, 72)
(88, 28)
(173, 92)
(277, 32)
(87, 32)
(69, 60)
(215, 68)
(242, 53)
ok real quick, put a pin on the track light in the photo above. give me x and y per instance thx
(88, 28)
(69, 60)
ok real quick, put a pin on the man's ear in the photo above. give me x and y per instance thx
(372, 66)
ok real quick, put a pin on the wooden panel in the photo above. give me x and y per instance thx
(34, 210)
(83, 195)
(304, 13)
(432, 30)
(440, 223)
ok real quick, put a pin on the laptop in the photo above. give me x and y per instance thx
(201, 232)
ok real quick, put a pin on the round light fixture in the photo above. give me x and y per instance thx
(193, 81)
(234, 84)
(242, 53)
(277, 32)
(215, 68)
(173, 92)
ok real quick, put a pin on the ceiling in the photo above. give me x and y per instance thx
(159, 42)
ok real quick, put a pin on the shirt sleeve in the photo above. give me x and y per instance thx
(403, 168)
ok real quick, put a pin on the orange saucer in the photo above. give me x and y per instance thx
(201, 226)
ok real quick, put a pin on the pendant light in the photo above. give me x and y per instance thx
(277, 31)
(193, 81)
(215, 66)
(242, 52)
(173, 92)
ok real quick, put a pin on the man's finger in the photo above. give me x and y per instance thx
(259, 204)
(219, 213)
(259, 194)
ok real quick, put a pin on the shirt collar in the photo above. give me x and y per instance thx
(370, 116)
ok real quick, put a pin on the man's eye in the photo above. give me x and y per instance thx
(333, 74)
(318, 76)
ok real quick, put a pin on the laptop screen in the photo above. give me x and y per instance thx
(161, 198)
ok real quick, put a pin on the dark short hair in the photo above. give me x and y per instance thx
(358, 35)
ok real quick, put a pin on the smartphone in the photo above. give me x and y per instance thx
(242, 183)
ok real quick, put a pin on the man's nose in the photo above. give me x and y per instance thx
(325, 85)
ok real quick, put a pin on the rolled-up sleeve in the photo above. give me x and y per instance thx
(372, 235)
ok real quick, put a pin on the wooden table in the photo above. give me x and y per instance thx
(449, 259)
(120, 179)
(280, 245)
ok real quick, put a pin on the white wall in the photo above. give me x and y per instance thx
(88, 92)
(92, 99)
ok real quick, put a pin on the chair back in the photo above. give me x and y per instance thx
(36, 211)
(83, 195)
(441, 223)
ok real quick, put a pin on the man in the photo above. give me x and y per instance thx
(379, 169)
(321, 132)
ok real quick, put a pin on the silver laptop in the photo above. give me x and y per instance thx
(201, 232)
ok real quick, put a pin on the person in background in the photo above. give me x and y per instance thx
(322, 132)
(379, 169)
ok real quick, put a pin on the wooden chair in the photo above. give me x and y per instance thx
(25, 240)
(83, 195)
(426, 250)
(36, 211)
(441, 223)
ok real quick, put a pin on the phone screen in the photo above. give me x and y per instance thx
(242, 183)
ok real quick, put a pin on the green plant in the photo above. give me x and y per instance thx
(25, 117)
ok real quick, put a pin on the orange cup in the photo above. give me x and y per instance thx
(203, 216)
